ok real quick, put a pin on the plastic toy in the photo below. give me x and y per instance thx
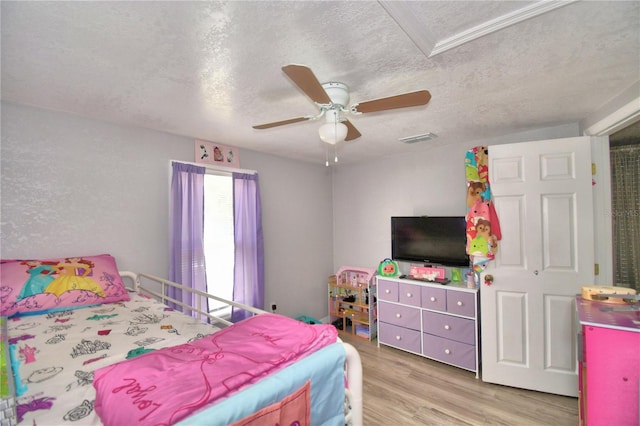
(388, 268)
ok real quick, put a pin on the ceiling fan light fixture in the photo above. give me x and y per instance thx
(333, 133)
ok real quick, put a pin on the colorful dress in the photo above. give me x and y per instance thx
(39, 278)
(68, 280)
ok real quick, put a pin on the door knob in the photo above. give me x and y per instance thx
(488, 279)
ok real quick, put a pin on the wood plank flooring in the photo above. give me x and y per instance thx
(402, 389)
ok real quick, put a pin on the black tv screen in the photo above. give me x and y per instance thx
(429, 239)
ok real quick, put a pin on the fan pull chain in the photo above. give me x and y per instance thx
(335, 153)
(326, 157)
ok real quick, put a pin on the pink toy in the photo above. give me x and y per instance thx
(478, 210)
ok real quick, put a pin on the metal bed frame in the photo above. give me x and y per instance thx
(157, 288)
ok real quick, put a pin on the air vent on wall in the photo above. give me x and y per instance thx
(418, 138)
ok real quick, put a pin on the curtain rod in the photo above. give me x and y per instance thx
(215, 168)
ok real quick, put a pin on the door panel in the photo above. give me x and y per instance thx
(512, 328)
(559, 322)
(512, 237)
(543, 198)
(558, 227)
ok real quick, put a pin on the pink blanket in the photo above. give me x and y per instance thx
(164, 386)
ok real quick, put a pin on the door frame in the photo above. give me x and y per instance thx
(602, 218)
(620, 112)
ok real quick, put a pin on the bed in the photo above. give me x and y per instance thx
(138, 360)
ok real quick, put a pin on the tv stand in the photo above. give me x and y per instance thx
(424, 318)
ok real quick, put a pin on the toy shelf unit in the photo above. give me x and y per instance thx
(352, 302)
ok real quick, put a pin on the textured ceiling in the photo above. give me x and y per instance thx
(211, 70)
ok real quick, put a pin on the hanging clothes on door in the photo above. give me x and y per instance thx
(483, 227)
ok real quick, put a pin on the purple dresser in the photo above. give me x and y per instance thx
(431, 320)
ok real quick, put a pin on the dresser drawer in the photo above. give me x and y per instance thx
(449, 351)
(399, 337)
(450, 327)
(434, 298)
(388, 290)
(409, 294)
(461, 303)
(404, 316)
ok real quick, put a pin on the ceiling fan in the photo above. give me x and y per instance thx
(332, 99)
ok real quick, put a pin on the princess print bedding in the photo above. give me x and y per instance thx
(140, 362)
(54, 355)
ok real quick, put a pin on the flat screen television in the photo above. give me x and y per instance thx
(429, 239)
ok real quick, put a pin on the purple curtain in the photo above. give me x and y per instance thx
(187, 266)
(248, 285)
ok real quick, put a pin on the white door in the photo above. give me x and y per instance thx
(543, 197)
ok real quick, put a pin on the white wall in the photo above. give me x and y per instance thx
(429, 181)
(297, 222)
(72, 186)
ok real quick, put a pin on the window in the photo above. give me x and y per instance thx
(219, 237)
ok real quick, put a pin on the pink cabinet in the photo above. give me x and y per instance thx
(609, 364)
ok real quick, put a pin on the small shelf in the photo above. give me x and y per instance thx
(349, 286)
(352, 304)
(361, 317)
(359, 305)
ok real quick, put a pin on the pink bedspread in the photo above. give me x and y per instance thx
(164, 386)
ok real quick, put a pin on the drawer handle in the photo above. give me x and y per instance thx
(459, 303)
(387, 291)
(398, 315)
(433, 299)
(447, 351)
(398, 338)
(447, 327)
(409, 295)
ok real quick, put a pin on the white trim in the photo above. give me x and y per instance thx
(215, 168)
(602, 219)
(623, 117)
(621, 111)
(497, 24)
(405, 16)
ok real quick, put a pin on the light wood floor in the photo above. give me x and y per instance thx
(402, 389)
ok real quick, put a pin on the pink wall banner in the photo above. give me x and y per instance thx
(215, 153)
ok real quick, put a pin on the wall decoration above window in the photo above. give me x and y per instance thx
(215, 153)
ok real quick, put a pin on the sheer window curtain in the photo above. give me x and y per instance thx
(248, 285)
(187, 262)
(625, 200)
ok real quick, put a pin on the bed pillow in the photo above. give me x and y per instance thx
(44, 285)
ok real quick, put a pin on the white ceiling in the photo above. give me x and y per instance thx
(211, 70)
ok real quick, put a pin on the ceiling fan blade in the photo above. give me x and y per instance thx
(352, 132)
(304, 78)
(420, 97)
(281, 123)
